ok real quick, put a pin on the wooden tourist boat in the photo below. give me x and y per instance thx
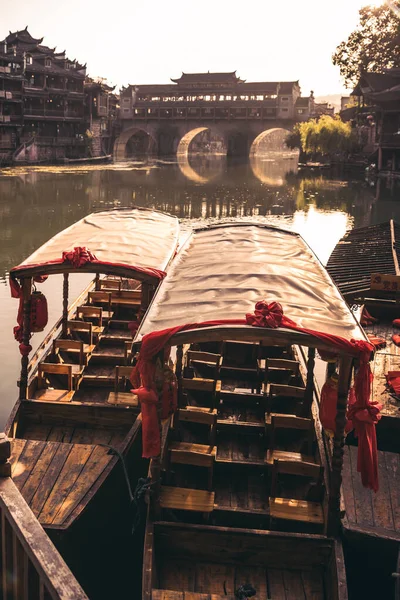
(73, 422)
(242, 495)
(365, 267)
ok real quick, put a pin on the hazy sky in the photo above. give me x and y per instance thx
(149, 41)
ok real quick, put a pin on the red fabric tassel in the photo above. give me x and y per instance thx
(328, 406)
(396, 323)
(150, 428)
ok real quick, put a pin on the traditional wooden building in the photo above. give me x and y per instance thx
(101, 106)
(377, 112)
(52, 94)
(207, 96)
(11, 84)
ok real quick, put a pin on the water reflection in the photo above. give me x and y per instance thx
(272, 169)
(201, 168)
(37, 202)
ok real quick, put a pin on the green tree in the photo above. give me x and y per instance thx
(327, 135)
(373, 46)
(293, 139)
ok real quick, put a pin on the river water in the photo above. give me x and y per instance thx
(38, 202)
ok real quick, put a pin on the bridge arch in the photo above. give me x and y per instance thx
(120, 144)
(187, 139)
(276, 136)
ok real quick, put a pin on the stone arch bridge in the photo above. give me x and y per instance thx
(240, 138)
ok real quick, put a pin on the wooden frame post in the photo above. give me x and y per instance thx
(26, 335)
(178, 372)
(309, 391)
(345, 369)
(156, 461)
(146, 296)
(65, 303)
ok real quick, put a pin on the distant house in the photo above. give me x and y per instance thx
(303, 108)
(323, 108)
(100, 114)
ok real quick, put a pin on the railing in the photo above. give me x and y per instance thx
(205, 113)
(43, 140)
(390, 139)
(31, 567)
(42, 112)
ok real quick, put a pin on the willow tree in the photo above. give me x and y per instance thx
(326, 135)
(373, 46)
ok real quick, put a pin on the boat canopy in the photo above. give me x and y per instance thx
(361, 252)
(132, 242)
(222, 271)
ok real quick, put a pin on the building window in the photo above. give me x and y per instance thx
(284, 99)
(67, 66)
(126, 100)
(284, 109)
(126, 109)
(300, 111)
(28, 59)
(47, 62)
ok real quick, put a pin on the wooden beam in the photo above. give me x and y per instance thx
(345, 369)
(309, 392)
(393, 242)
(26, 335)
(65, 303)
(53, 574)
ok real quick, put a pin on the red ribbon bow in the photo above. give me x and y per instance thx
(268, 315)
(79, 256)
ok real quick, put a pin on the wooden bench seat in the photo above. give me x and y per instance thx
(123, 398)
(187, 499)
(173, 595)
(283, 390)
(272, 455)
(50, 395)
(120, 301)
(102, 298)
(200, 384)
(198, 455)
(296, 510)
(198, 414)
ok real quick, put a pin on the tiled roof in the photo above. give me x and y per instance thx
(22, 36)
(207, 78)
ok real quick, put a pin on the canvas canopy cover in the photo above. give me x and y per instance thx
(125, 241)
(222, 271)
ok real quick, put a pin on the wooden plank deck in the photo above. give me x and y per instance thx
(181, 579)
(366, 511)
(54, 476)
